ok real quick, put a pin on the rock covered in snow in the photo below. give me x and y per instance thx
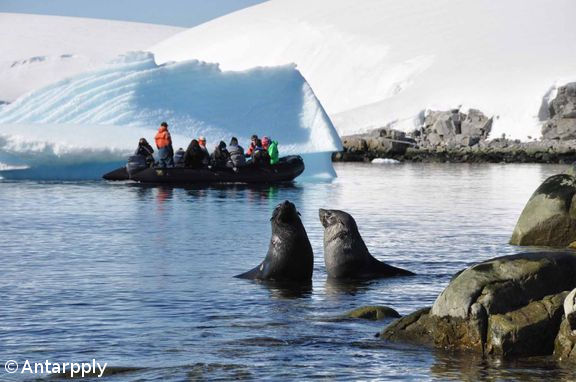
(453, 128)
(562, 109)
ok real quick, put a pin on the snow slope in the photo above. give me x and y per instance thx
(96, 118)
(378, 62)
(36, 50)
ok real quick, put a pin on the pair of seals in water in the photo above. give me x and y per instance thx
(290, 257)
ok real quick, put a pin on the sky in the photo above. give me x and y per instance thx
(182, 13)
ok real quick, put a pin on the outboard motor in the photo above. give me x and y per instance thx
(136, 163)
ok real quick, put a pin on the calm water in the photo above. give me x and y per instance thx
(141, 277)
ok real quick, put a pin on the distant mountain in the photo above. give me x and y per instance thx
(38, 50)
(384, 62)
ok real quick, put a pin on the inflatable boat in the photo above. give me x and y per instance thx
(287, 169)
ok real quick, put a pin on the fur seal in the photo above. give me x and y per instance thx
(290, 256)
(346, 255)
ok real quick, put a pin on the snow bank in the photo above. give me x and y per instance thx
(95, 119)
(38, 50)
(382, 62)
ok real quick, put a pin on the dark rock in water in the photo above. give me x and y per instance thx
(453, 128)
(508, 306)
(373, 313)
(383, 142)
(527, 331)
(562, 110)
(549, 217)
(413, 328)
(564, 345)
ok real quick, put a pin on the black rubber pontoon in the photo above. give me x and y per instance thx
(287, 169)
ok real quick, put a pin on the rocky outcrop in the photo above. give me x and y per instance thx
(379, 143)
(456, 137)
(549, 217)
(453, 129)
(508, 306)
(562, 110)
(564, 345)
(372, 313)
(497, 151)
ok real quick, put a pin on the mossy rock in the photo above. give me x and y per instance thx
(510, 306)
(549, 217)
(373, 313)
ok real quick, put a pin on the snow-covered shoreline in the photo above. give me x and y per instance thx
(379, 63)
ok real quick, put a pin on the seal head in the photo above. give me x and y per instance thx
(290, 257)
(345, 253)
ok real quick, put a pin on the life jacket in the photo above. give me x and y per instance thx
(163, 138)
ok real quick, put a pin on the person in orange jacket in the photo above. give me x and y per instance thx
(164, 145)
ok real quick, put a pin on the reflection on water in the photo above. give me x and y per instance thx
(469, 367)
(141, 276)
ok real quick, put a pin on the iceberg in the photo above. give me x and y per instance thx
(376, 63)
(79, 127)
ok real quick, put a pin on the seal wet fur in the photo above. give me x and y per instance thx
(290, 256)
(345, 254)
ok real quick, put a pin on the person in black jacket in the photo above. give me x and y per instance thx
(260, 157)
(144, 149)
(220, 156)
(194, 156)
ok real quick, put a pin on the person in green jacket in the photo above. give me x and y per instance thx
(272, 147)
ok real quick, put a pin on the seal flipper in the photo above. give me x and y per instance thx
(253, 274)
(382, 269)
